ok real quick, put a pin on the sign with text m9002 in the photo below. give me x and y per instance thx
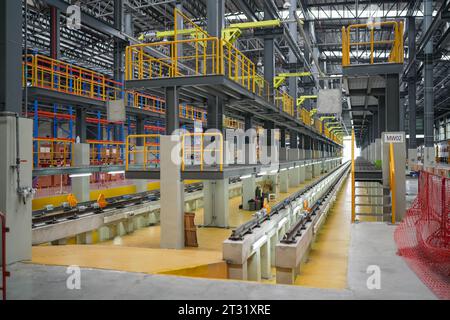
(394, 138)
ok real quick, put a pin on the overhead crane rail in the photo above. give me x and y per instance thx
(246, 228)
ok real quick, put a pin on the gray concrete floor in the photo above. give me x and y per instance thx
(371, 244)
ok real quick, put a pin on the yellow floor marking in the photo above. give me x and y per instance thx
(326, 266)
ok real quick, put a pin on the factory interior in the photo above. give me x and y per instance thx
(225, 150)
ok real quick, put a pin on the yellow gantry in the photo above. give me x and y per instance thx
(279, 79)
(302, 99)
(230, 34)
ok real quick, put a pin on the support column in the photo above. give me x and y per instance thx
(172, 106)
(392, 103)
(80, 126)
(429, 152)
(215, 203)
(81, 185)
(55, 31)
(284, 181)
(172, 197)
(412, 146)
(283, 150)
(141, 184)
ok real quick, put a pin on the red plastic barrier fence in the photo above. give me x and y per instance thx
(5, 273)
(423, 237)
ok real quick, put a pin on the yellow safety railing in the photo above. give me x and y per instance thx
(305, 116)
(353, 177)
(397, 43)
(194, 150)
(142, 151)
(237, 66)
(392, 182)
(233, 123)
(55, 75)
(106, 152)
(50, 152)
(284, 102)
(197, 56)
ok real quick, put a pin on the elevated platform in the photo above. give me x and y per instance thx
(239, 98)
(214, 173)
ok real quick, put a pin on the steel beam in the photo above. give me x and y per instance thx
(80, 126)
(392, 102)
(172, 106)
(428, 75)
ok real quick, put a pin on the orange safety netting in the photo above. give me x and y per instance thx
(423, 237)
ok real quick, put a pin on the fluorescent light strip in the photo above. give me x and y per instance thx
(246, 177)
(116, 172)
(80, 175)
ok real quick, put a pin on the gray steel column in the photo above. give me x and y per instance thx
(172, 106)
(248, 125)
(301, 141)
(216, 17)
(283, 138)
(269, 56)
(55, 32)
(428, 78)
(375, 124)
(293, 139)
(382, 114)
(392, 102)
(80, 125)
(293, 81)
(119, 46)
(11, 56)
(412, 82)
(215, 113)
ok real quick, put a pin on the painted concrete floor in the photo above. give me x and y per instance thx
(140, 252)
(337, 267)
(371, 244)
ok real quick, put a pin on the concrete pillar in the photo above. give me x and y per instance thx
(172, 196)
(215, 203)
(308, 171)
(81, 185)
(254, 266)
(284, 181)
(302, 173)
(294, 178)
(248, 191)
(266, 263)
(285, 275)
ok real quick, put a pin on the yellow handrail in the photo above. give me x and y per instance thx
(392, 181)
(397, 52)
(151, 147)
(202, 148)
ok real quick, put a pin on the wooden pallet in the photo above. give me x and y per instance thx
(190, 230)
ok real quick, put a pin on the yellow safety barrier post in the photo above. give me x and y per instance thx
(353, 177)
(392, 180)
